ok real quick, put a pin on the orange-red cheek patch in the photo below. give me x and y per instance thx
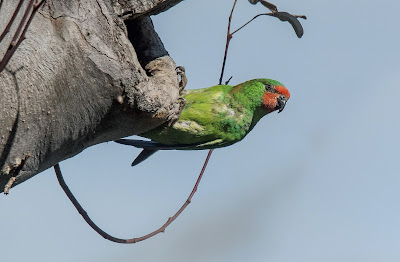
(269, 100)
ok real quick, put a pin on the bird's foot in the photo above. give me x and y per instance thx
(182, 103)
(180, 70)
(172, 120)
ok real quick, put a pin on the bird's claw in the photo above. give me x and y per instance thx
(180, 70)
(182, 103)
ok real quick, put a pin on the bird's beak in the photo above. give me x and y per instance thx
(281, 103)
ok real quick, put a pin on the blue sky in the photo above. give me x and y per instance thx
(318, 182)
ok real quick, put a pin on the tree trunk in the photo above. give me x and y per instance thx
(78, 80)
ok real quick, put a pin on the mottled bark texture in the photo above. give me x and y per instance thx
(78, 80)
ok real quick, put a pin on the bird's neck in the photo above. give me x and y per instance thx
(249, 95)
(257, 115)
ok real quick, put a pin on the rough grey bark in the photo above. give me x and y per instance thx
(129, 9)
(78, 80)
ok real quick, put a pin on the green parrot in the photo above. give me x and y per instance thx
(214, 117)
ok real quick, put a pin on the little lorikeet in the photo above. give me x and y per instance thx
(214, 117)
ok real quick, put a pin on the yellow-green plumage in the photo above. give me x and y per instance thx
(214, 117)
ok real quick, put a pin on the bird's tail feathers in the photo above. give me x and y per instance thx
(146, 153)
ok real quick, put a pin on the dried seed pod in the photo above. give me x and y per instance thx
(268, 5)
(284, 16)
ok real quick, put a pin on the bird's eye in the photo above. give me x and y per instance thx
(269, 87)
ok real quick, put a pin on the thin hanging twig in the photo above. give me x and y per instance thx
(227, 81)
(18, 36)
(7, 29)
(19, 29)
(248, 22)
(228, 39)
(283, 16)
(130, 240)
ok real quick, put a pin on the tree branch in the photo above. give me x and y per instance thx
(129, 9)
(80, 82)
(18, 38)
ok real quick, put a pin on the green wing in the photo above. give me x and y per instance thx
(210, 119)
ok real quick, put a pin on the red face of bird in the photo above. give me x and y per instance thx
(275, 97)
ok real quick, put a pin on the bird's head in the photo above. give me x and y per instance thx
(262, 95)
(275, 95)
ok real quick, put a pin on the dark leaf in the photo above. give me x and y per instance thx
(270, 6)
(253, 2)
(284, 16)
